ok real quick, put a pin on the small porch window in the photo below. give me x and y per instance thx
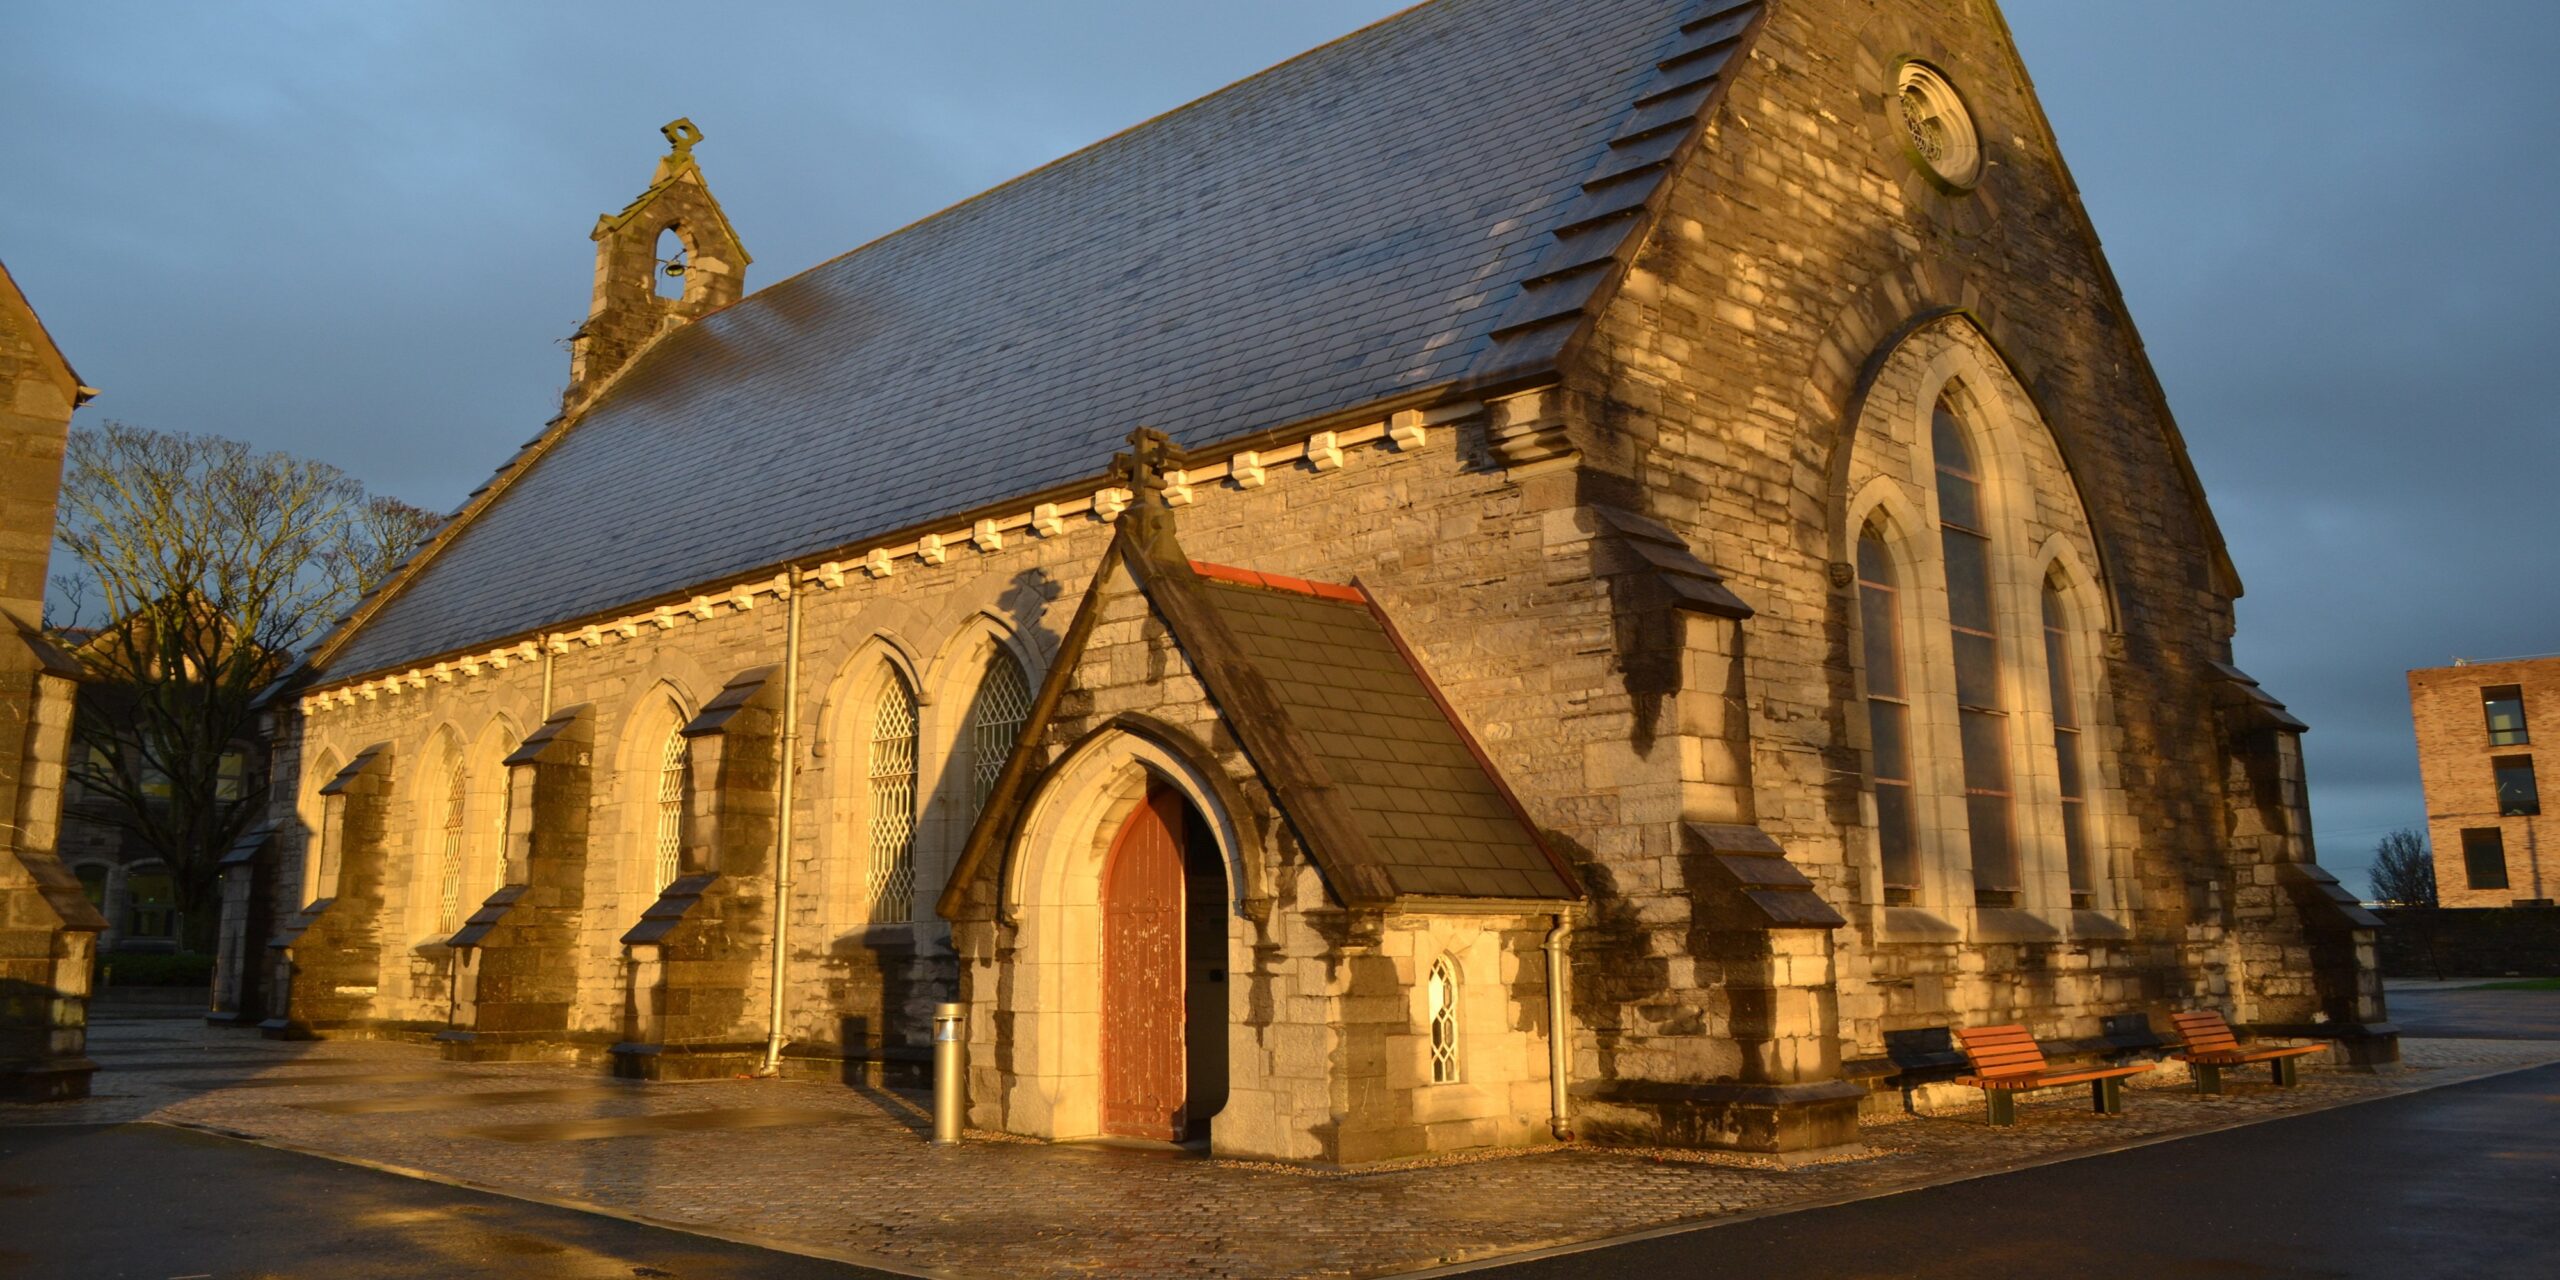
(1443, 998)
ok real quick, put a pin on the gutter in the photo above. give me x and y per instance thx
(783, 825)
(1559, 1019)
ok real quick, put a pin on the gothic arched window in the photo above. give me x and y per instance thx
(449, 869)
(891, 772)
(1441, 999)
(2070, 763)
(1888, 717)
(995, 723)
(675, 778)
(1982, 715)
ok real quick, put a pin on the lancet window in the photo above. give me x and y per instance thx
(1880, 606)
(675, 777)
(2070, 761)
(995, 722)
(449, 869)
(1982, 713)
(1442, 1002)
(891, 884)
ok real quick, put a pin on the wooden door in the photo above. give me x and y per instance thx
(1142, 1005)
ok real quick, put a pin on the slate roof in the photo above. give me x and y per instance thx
(1394, 212)
(1432, 817)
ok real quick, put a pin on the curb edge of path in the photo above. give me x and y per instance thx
(1710, 1222)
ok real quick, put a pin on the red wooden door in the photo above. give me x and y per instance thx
(1142, 1068)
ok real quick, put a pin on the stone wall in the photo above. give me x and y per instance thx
(1805, 282)
(2457, 942)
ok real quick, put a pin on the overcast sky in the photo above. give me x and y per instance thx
(359, 232)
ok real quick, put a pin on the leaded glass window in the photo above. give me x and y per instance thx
(1442, 998)
(995, 722)
(1888, 717)
(892, 881)
(2067, 747)
(675, 777)
(449, 877)
(1982, 718)
(505, 823)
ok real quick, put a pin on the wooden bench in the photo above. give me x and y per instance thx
(2211, 1047)
(2006, 1063)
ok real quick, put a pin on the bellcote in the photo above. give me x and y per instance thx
(666, 258)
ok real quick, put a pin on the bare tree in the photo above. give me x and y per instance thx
(211, 565)
(2404, 873)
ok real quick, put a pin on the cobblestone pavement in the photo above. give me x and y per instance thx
(848, 1173)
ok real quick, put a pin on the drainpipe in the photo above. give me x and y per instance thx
(1559, 1046)
(783, 824)
(546, 680)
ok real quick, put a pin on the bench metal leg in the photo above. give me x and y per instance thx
(2003, 1104)
(2106, 1097)
(2287, 1076)
(2208, 1078)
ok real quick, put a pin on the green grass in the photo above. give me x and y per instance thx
(2520, 984)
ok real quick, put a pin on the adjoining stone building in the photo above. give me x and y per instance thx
(48, 930)
(2475, 758)
(1666, 580)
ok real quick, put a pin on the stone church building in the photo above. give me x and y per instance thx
(1609, 569)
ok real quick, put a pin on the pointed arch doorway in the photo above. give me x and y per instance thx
(1164, 991)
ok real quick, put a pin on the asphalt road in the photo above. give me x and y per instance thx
(148, 1202)
(2457, 1182)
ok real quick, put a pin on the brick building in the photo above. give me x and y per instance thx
(1664, 574)
(2475, 758)
(48, 930)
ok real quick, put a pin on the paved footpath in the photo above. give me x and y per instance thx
(847, 1173)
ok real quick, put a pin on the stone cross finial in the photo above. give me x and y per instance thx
(1143, 466)
(681, 133)
(1142, 469)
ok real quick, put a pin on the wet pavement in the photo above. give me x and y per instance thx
(2457, 1182)
(150, 1202)
(847, 1174)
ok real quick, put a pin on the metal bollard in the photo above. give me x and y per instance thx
(949, 1092)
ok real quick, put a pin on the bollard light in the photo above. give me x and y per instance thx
(949, 1100)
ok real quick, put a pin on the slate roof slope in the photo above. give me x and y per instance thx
(1348, 226)
(1431, 814)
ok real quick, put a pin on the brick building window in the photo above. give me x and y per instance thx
(1888, 717)
(2517, 796)
(995, 722)
(2484, 858)
(2069, 765)
(1982, 715)
(150, 904)
(1442, 1002)
(675, 777)
(892, 775)
(2504, 706)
